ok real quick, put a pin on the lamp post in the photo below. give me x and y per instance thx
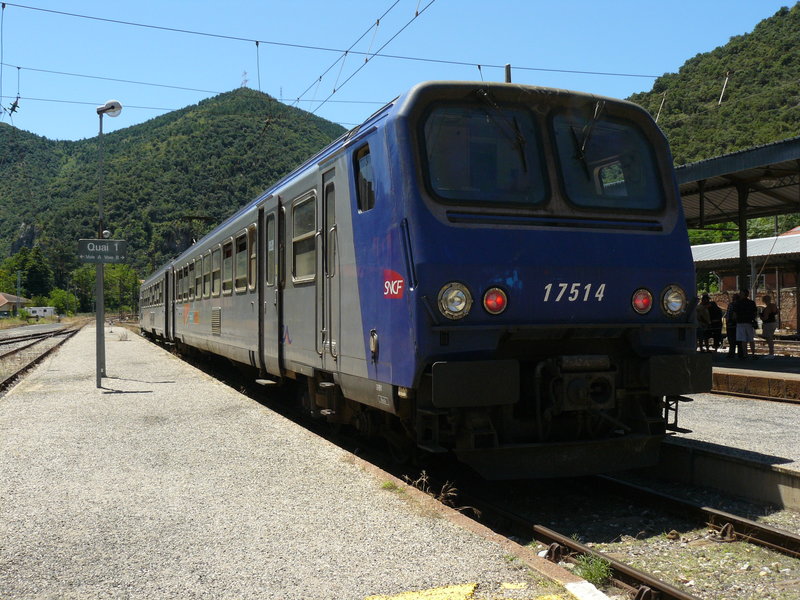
(112, 108)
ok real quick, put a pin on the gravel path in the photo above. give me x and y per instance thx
(168, 484)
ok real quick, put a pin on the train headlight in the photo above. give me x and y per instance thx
(642, 301)
(673, 300)
(455, 301)
(495, 301)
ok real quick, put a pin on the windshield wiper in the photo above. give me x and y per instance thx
(515, 136)
(586, 134)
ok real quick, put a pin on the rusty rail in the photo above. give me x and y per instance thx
(561, 547)
(731, 527)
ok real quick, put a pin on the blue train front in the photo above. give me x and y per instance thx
(496, 270)
(526, 281)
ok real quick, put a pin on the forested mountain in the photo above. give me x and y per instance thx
(167, 181)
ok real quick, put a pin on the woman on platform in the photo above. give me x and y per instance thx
(769, 322)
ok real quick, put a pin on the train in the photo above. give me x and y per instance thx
(495, 271)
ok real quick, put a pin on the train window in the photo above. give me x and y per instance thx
(606, 163)
(251, 263)
(198, 277)
(227, 267)
(190, 281)
(271, 250)
(216, 270)
(240, 263)
(365, 182)
(487, 154)
(177, 290)
(207, 275)
(304, 239)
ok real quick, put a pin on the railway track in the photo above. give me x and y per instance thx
(563, 548)
(729, 526)
(20, 353)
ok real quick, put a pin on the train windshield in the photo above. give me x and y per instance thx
(606, 163)
(484, 155)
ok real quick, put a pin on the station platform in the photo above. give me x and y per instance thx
(165, 483)
(761, 430)
(777, 377)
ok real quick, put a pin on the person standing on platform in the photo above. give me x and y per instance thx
(703, 323)
(746, 312)
(715, 328)
(769, 322)
(730, 326)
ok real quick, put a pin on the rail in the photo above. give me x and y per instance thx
(564, 548)
(7, 380)
(731, 527)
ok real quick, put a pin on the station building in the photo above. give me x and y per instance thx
(9, 304)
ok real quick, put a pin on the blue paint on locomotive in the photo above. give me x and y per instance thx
(554, 276)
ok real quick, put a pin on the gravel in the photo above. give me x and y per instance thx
(167, 484)
(755, 429)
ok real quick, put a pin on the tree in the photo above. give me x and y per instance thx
(120, 286)
(38, 275)
(64, 302)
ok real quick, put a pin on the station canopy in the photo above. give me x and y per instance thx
(763, 181)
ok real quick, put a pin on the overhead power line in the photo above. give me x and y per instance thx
(149, 83)
(364, 64)
(369, 55)
(95, 103)
(361, 37)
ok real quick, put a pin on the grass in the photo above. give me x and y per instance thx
(594, 569)
(390, 486)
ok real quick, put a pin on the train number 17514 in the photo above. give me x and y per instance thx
(574, 292)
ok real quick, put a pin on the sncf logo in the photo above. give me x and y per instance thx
(393, 284)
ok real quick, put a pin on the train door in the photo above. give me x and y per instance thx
(328, 313)
(272, 326)
(169, 307)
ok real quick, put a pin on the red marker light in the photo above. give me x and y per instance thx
(495, 301)
(642, 301)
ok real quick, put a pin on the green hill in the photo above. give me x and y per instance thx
(167, 181)
(761, 103)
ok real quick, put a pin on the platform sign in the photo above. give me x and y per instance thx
(103, 251)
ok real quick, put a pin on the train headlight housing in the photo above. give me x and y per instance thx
(673, 301)
(455, 300)
(495, 301)
(642, 301)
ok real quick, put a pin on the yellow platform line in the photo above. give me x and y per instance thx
(461, 592)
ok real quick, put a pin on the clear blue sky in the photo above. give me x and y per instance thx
(637, 37)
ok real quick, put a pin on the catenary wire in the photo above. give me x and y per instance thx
(83, 75)
(361, 37)
(366, 61)
(327, 49)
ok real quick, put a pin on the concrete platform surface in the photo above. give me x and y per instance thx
(165, 483)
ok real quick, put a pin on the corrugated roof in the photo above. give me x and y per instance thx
(783, 248)
(770, 173)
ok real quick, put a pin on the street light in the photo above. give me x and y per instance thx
(112, 108)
